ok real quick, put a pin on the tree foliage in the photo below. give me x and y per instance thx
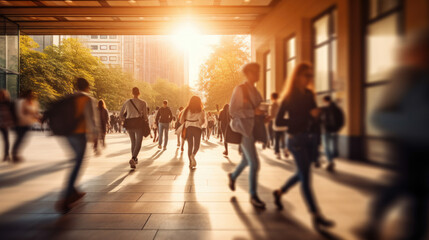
(51, 74)
(220, 73)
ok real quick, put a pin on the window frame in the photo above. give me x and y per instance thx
(331, 38)
(102, 47)
(94, 49)
(266, 69)
(116, 47)
(104, 37)
(286, 54)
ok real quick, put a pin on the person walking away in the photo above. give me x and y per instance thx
(177, 125)
(6, 121)
(279, 132)
(210, 124)
(104, 123)
(27, 111)
(243, 108)
(150, 126)
(224, 120)
(298, 102)
(193, 118)
(133, 109)
(332, 120)
(85, 129)
(163, 118)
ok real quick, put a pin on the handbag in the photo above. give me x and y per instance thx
(138, 122)
(231, 136)
(259, 131)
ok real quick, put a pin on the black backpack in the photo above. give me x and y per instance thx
(61, 115)
(333, 118)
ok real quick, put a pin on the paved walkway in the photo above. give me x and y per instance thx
(163, 199)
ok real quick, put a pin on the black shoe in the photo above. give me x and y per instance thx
(278, 199)
(257, 203)
(330, 167)
(231, 182)
(319, 221)
(317, 164)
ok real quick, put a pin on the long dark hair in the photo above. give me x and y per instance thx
(101, 104)
(290, 88)
(195, 105)
(226, 107)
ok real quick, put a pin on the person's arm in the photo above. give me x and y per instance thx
(123, 110)
(236, 109)
(182, 117)
(145, 110)
(170, 115)
(280, 120)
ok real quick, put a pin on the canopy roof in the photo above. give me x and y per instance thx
(134, 17)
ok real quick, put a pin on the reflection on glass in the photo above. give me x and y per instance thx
(321, 69)
(374, 96)
(382, 41)
(321, 28)
(12, 85)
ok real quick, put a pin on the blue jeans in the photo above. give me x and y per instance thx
(136, 137)
(302, 146)
(250, 157)
(329, 141)
(78, 145)
(163, 128)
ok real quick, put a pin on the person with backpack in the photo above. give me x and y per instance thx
(244, 108)
(332, 120)
(27, 112)
(192, 119)
(224, 120)
(163, 118)
(6, 120)
(278, 132)
(74, 117)
(135, 111)
(299, 105)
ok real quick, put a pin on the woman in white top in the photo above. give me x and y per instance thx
(27, 111)
(194, 118)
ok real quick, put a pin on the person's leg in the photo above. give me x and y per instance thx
(295, 145)
(166, 129)
(20, 132)
(178, 140)
(190, 139)
(78, 145)
(249, 150)
(160, 136)
(326, 141)
(197, 140)
(5, 135)
(132, 134)
(138, 143)
(277, 135)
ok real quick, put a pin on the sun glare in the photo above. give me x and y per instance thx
(185, 36)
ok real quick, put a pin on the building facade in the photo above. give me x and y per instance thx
(352, 46)
(9, 56)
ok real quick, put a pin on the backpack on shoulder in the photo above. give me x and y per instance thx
(334, 118)
(61, 115)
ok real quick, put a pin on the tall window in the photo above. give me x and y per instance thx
(113, 58)
(103, 47)
(268, 83)
(113, 37)
(290, 56)
(113, 47)
(325, 51)
(94, 36)
(103, 36)
(94, 47)
(383, 23)
(103, 58)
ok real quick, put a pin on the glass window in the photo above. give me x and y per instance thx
(321, 66)
(113, 47)
(268, 83)
(290, 55)
(378, 7)
(113, 58)
(2, 50)
(382, 40)
(290, 66)
(94, 47)
(291, 48)
(321, 29)
(12, 52)
(103, 36)
(94, 36)
(103, 58)
(113, 37)
(12, 85)
(373, 97)
(103, 47)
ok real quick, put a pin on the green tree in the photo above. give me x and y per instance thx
(220, 73)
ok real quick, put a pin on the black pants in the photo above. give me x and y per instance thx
(5, 135)
(279, 141)
(20, 136)
(193, 136)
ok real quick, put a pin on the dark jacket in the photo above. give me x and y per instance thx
(164, 115)
(299, 119)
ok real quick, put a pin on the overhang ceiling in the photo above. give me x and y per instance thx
(134, 17)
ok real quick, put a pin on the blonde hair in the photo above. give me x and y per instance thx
(290, 86)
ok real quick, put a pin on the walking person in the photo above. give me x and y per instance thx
(150, 126)
(155, 125)
(224, 120)
(177, 126)
(134, 108)
(210, 124)
(27, 111)
(193, 118)
(84, 129)
(103, 114)
(6, 121)
(298, 102)
(244, 108)
(278, 132)
(163, 118)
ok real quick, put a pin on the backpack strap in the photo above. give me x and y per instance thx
(135, 106)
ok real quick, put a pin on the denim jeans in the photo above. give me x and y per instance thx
(5, 135)
(21, 132)
(279, 141)
(136, 137)
(250, 157)
(193, 136)
(329, 141)
(78, 145)
(163, 128)
(302, 146)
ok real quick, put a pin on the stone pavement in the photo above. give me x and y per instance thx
(163, 199)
